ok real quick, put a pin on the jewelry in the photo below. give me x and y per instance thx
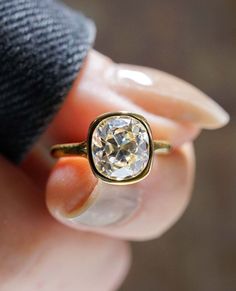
(119, 147)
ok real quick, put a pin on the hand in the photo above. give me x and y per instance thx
(39, 253)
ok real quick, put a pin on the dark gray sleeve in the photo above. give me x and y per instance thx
(42, 47)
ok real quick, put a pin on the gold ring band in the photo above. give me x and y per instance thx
(119, 147)
(81, 149)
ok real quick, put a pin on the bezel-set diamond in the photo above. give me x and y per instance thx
(120, 147)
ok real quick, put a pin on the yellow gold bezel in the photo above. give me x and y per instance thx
(131, 180)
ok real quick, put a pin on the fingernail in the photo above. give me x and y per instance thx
(112, 205)
(76, 198)
(166, 95)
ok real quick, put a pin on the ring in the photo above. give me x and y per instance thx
(119, 148)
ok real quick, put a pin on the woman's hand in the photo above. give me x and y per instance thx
(40, 254)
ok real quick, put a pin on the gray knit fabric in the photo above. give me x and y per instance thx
(42, 47)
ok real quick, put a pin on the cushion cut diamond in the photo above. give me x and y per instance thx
(120, 147)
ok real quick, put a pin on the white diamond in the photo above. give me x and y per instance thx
(120, 147)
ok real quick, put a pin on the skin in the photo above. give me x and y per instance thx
(39, 252)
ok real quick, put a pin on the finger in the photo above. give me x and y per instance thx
(92, 96)
(140, 211)
(104, 86)
(38, 253)
(75, 126)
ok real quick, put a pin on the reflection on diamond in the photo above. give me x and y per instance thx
(120, 147)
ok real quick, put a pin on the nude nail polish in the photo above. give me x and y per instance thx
(112, 205)
(166, 95)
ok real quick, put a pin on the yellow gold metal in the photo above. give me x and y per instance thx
(69, 149)
(83, 149)
(162, 146)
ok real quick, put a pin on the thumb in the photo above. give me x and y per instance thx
(38, 253)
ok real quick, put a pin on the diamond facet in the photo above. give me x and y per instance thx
(120, 147)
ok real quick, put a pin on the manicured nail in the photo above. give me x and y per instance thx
(76, 198)
(166, 95)
(112, 205)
